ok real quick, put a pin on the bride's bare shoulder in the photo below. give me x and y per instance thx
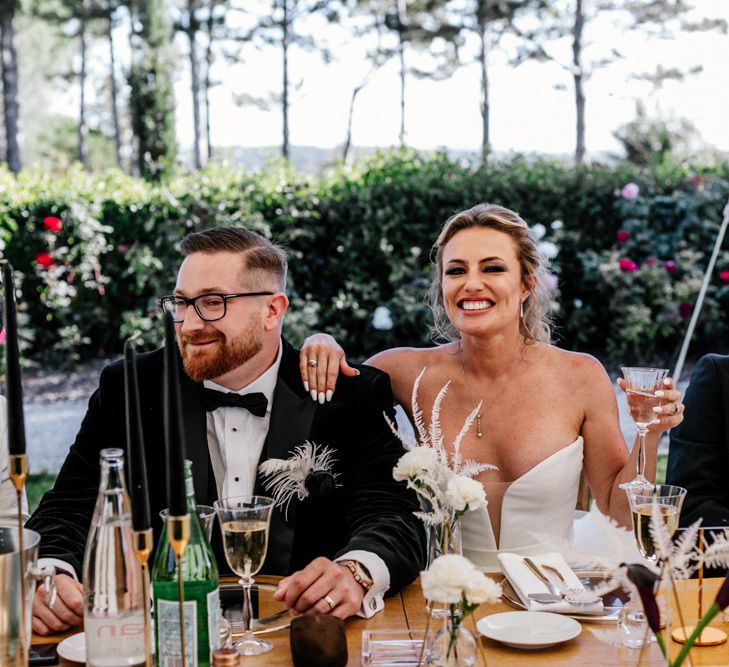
(407, 362)
(579, 365)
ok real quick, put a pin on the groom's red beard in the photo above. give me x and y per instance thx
(222, 355)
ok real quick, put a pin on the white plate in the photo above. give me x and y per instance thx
(529, 629)
(73, 648)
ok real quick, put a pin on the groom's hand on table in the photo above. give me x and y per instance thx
(67, 611)
(322, 587)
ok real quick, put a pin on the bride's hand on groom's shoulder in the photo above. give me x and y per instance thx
(320, 362)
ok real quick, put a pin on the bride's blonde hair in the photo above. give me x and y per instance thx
(535, 325)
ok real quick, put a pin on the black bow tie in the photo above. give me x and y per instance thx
(256, 403)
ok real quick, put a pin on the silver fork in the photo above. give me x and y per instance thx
(571, 594)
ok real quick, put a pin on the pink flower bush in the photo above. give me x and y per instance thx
(627, 265)
(44, 259)
(550, 282)
(52, 224)
(2, 336)
(685, 308)
(697, 180)
(630, 191)
(651, 261)
(724, 277)
(670, 266)
(622, 236)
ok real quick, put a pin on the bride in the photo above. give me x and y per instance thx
(546, 413)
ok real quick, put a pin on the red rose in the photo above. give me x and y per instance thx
(685, 309)
(724, 277)
(627, 265)
(2, 336)
(651, 261)
(52, 224)
(623, 235)
(44, 259)
(670, 266)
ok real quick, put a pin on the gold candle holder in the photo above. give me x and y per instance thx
(143, 542)
(178, 532)
(18, 470)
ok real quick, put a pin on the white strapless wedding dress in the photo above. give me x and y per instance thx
(540, 502)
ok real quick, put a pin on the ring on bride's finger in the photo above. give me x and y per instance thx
(675, 410)
(313, 363)
(329, 601)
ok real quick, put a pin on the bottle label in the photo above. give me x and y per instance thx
(214, 619)
(115, 641)
(168, 633)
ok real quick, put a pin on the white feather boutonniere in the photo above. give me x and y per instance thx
(308, 471)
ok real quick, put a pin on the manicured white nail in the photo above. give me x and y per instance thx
(321, 397)
(658, 408)
(306, 385)
(659, 393)
(356, 372)
(312, 393)
(667, 382)
(330, 393)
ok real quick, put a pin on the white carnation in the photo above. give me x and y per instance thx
(481, 589)
(415, 462)
(464, 492)
(446, 578)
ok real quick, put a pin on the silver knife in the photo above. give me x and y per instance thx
(550, 586)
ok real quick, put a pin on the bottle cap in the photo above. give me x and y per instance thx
(225, 657)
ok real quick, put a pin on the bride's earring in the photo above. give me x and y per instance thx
(521, 310)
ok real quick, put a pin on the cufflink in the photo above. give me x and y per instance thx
(373, 604)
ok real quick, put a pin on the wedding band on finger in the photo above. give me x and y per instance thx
(675, 410)
(329, 601)
(313, 363)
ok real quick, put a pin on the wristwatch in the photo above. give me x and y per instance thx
(359, 572)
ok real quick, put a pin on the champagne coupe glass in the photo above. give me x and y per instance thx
(244, 522)
(642, 384)
(669, 500)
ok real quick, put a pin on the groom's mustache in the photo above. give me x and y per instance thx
(201, 337)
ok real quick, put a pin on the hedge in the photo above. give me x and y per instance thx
(628, 246)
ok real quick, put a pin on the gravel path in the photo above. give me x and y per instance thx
(55, 404)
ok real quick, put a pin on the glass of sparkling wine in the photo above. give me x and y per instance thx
(668, 500)
(244, 522)
(642, 384)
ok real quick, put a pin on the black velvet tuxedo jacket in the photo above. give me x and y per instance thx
(370, 511)
(698, 457)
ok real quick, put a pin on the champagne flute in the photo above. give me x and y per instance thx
(244, 522)
(642, 384)
(669, 500)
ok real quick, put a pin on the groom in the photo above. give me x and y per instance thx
(351, 540)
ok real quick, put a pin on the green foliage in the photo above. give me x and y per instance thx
(360, 243)
(36, 486)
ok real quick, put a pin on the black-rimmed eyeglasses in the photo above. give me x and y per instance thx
(209, 307)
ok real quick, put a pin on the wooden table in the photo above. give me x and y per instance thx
(407, 610)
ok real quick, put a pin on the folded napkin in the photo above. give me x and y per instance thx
(525, 582)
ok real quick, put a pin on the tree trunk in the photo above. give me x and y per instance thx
(206, 80)
(577, 76)
(483, 60)
(10, 92)
(401, 24)
(82, 129)
(194, 80)
(114, 101)
(285, 95)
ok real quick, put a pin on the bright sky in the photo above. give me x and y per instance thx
(527, 112)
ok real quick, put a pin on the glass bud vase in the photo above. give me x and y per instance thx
(444, 538)
(449, 651)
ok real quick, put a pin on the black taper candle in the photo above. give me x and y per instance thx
(136, 462)
(13, 386)
(174, 432)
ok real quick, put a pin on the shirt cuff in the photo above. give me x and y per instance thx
(62, 567)
(373, 600)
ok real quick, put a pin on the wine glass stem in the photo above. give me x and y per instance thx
(247, 607)
(640, 461)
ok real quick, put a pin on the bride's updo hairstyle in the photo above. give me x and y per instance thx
(535, 325)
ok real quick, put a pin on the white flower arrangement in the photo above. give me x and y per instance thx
(453, 579)
(442, 479)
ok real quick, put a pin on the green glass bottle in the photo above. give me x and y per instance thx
(202, 595)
